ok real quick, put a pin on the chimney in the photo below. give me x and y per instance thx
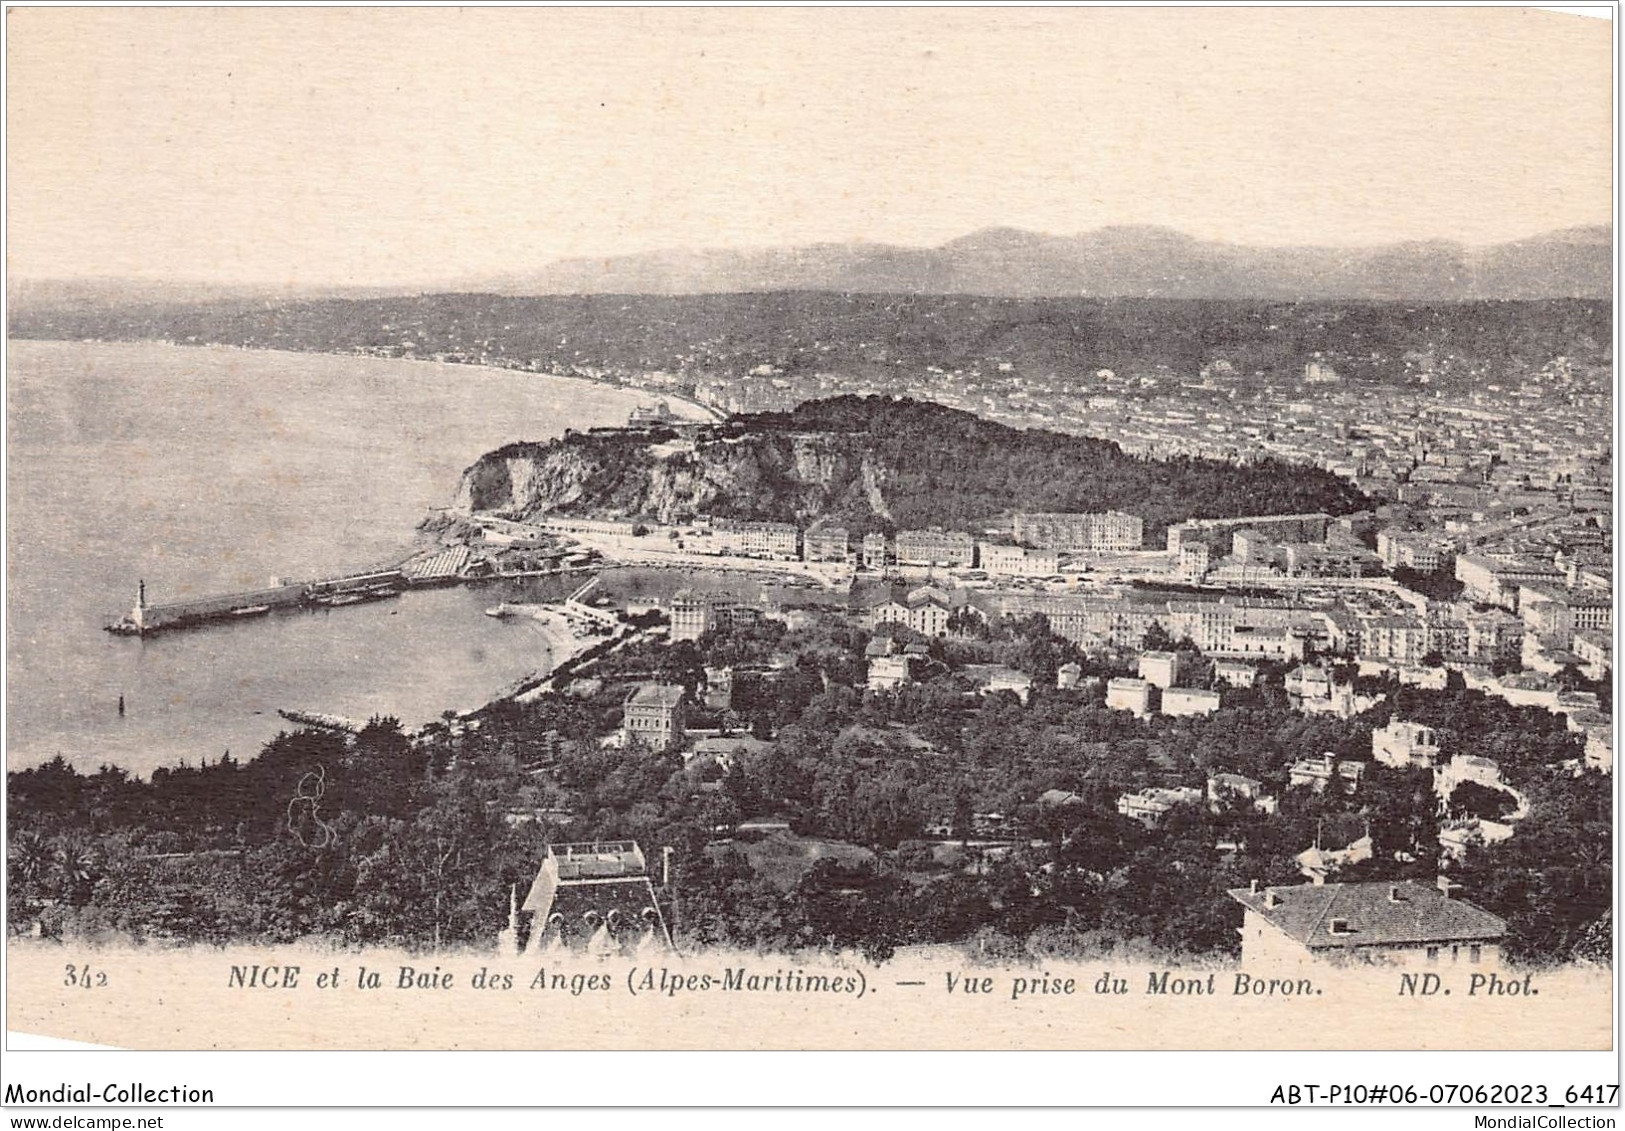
(1446, 886)
(1270, 899)
(1252, 887)
(1393, 894)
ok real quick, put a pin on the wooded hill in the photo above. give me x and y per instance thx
(882, 463)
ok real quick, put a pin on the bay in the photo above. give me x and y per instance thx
(200, 470)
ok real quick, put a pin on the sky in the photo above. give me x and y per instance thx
(390, 146)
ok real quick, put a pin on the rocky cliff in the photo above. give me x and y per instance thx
(787, 477)
(876, 463)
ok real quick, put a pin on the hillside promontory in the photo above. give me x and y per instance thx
(877, 463)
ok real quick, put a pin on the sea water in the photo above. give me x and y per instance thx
(203, 470)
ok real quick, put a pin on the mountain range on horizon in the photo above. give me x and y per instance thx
(1111, 262)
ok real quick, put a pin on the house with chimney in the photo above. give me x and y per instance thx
(595, 898)
(1391, 923)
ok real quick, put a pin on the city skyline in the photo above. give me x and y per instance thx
(426, 146)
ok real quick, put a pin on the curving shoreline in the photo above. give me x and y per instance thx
(207, 470)
(697, 408)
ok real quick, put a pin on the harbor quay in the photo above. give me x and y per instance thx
(144, 619)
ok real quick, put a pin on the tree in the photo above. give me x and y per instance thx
(1505, 666)
(1473, 800)
(1439, 585)
(1157, 639)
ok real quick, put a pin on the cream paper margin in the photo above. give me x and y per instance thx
(174, 1000)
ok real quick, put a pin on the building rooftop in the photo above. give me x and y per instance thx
(1373, 914)
(597, 860)
(596, 896)
(1052, 798)
(666, 695)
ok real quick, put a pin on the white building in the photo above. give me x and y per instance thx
(653, 717)
(1016, 561)
(1189, 701)
(886, 673)
(1556, 613)
(1234, 673)
(695, 614)
(1496, 580)
(1596, 651)
(1600, 749)
(1413, 550)
(1403, 745)
(1402, 924)
(877, 552)
(1150, 806)
(1160, 669)
(925, 610)
(1129, 695)
(778, 541)
(1463, 768)
(1225, 789)
(934, 547)
(690, 616)
(1194, 558)
(1110, 532)
(1319, 772)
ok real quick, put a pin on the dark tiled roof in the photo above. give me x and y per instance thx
(1419, 915)
(607, 914)
(596, 896)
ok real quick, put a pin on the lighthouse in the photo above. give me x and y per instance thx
(138, 615)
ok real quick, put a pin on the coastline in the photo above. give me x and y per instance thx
(563, 645)
(703, 410)
(699, 410)
(87, 419)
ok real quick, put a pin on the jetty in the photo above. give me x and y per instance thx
(322, 722)
(145, 619)
(451, 566)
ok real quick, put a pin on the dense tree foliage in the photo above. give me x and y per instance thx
(943, 467)
(885, 463)
(382, 838)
